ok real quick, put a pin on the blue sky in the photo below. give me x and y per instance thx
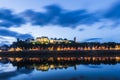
(88, 20)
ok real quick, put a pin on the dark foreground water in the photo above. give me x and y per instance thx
(83, 68)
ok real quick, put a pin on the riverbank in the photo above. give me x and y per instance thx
(47, 54)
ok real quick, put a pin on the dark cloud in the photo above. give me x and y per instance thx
(36, 18)
(8, 18)
(93, 39)
(75, 18)
(39, 18)
(113, 12)
(81, 29)
(57, 16)
(4, 32)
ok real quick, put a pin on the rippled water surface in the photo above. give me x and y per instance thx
(83, 68)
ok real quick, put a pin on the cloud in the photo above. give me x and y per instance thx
(1, 38)
(93, 39)
(8, 18)
(111, 17)
(55, 15)
(81, 29)
(13, 74)
(4, 32)
(4, 42)
(113, 12)
(75, 18)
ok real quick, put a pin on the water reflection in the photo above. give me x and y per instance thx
(44, 64)
(61, 68)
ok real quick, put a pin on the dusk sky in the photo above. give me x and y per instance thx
(87, 20)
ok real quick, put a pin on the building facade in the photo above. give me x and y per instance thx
(42, 40)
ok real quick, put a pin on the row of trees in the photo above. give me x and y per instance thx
(25, 45)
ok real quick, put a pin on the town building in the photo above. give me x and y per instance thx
(60, 40)
(46, 40)
(42, 40)
(117, 47)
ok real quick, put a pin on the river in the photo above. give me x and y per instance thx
(61, 68)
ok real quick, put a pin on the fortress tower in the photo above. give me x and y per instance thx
(74, 39)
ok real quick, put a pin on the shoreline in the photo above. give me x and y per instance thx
(74, 53)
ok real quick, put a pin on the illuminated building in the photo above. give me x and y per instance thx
(15, 49)
(117, 47)
(52, 40)
(42, 40)
(46, 40)
(42, 67)
(11, 49)
(60, 40)
(18, 49)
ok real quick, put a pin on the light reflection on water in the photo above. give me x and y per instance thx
(67, 68)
